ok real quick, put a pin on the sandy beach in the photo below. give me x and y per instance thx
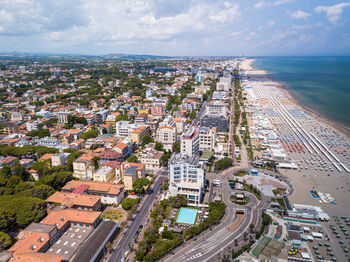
(323, 161)
(247, 65)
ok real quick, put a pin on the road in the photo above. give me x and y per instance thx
(199, 115)
(123, 245)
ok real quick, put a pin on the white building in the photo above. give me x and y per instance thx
(216, 108)
(63, 117)
(59, 159)
(123, 128)
(207, 138)
(31, 125)
(43, 113)
(190, 142)
(104, 174)
(166, 135)
(186, 177)
(224, 84)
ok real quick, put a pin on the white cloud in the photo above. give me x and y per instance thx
(333, 12)
(261, 4)
(24, 17)
(271, 23)
(227, 14)
(299, 14)
(282, 2)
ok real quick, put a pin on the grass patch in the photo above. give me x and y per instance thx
(167, 211)
(113, 215)
(241, 173)
(280, 201)
(279, 191)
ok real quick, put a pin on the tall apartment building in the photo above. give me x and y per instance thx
(63, 117)
(207, 138)
(224, 84)
(186, 177)
(190, 142)
(122, 128)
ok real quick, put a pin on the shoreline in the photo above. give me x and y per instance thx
(317, 115)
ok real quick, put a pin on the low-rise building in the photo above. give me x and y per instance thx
(104, 174)
(129, 177)
(76, 201)
(151, 158)
(110, 193)
(166, 135)
(139, 133)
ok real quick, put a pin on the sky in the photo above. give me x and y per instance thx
(176, 27)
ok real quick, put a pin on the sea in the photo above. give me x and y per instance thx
(321, 84)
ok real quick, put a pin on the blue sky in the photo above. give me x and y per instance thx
(176, 27)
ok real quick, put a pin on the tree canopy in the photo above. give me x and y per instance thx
(128, 203)
(139, 184)
(223, 163)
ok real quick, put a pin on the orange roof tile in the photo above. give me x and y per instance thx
(70, 199)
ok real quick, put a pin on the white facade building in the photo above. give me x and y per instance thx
(207, 138)
(186, 177)
(190, 142)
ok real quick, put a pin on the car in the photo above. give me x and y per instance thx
(160, 182)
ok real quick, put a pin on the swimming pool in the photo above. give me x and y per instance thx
(187, 215)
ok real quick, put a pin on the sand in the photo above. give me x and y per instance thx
(327, 180)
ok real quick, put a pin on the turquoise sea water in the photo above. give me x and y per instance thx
(319, 83)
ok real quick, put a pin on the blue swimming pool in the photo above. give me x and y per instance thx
(187, 215)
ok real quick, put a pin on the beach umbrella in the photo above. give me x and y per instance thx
(317, 252)
(331, 254)
(329, 249)
(326, 244)
(341, 242)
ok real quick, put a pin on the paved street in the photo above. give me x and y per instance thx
(199, 115)
(122, 246)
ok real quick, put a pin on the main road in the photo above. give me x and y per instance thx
(199, 115)
(139, 219)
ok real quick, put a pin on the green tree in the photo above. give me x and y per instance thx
(132, 159)
(193, 114)
(129, 203)
(56, 180)
(139, 184)
(89, 134)
(5, 240)
(13, 181)
(147, 139)
(176, 147)
(159, 146)
(223, 163)
(95, 159)
(20, 171)
(43, 133)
